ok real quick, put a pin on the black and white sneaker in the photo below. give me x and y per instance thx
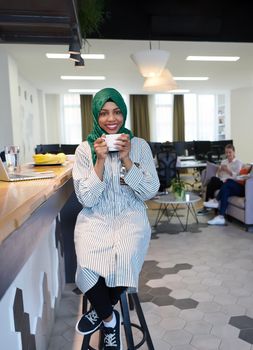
(112, 338)
(88, 323)
(204, 211)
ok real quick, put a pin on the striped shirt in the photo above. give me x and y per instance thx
(112, 231)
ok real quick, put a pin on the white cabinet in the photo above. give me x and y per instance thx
(221, 117)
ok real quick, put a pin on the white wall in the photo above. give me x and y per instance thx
(27, 116)
(242, 122)
(53, 118)
(28, 119)
(6, 131)
(44, 260)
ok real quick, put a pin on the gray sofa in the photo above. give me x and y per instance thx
(240, 208)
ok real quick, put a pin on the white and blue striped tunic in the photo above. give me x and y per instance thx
(112, 231)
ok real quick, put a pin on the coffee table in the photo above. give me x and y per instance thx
(169, 205)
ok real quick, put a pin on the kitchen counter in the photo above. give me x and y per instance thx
(27, 212)
(20, 199)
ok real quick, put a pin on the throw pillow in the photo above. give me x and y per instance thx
(210, 171)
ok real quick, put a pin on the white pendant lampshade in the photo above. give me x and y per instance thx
(150, 62)
(164, 82)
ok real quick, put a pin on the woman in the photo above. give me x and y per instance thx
(112, 232)
(230, 188)
(228, 169)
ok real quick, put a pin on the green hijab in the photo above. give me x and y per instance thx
(98, 101)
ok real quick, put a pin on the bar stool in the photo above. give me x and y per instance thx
(128, 301)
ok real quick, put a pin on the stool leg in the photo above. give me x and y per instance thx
(86, 339)
(85, 304)
(126, 321)
(86, 343)
(130, 302)
(142, 321)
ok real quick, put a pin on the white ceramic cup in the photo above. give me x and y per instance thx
(12, 157)
(110, 141)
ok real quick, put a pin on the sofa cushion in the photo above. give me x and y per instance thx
(238, 202)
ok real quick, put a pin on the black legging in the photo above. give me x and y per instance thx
(213, 185)
(103, 298)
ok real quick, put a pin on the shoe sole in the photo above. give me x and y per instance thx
(217, 224)
(87, 333)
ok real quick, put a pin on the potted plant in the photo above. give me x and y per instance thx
(92, 15)
(178, 188)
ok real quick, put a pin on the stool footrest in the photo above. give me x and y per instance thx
(126, 304)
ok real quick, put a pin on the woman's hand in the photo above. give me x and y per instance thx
(101, 148)
(124, 145)
(224, 167)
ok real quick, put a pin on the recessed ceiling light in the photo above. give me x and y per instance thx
(213, 58)
(88, 56)
(190, 78)
(82, 77)
(83, 90)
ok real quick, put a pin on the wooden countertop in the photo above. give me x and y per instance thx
(20, 199)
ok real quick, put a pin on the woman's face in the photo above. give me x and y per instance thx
(230, 154)
(110, 118)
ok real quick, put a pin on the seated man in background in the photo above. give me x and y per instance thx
(229, 188)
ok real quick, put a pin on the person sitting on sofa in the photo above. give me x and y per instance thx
(228, 169)
(232, 187)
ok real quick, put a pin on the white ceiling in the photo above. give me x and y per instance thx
(121, 72)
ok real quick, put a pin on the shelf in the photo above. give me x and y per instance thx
(221, 116)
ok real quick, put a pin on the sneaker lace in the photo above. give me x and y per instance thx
(109, 339)
(92, 317)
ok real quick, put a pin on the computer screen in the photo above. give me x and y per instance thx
(201, 149)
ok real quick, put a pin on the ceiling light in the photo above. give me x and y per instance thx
(150, 62)
(213, 58)
(82, 77)
(164, 82)
(86, 56)
(191, 78)
(83, 90)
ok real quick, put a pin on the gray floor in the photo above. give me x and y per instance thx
(196, 289)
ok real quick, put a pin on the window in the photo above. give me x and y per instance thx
(163, 117)
(199, 117)
(71, 126)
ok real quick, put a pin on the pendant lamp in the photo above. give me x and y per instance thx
(150, 62)
(163, 82)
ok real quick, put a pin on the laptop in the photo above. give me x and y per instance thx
(22, 176)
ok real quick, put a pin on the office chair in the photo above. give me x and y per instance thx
(155, 147)
(166, 169)
(179, 147)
